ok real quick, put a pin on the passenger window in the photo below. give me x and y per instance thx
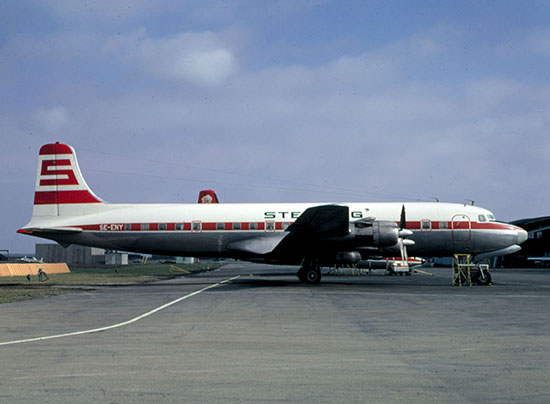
(220, 226)
(254, 226)
(270, 226)
(481, 218)
(127, 227)
(426, 225)
(236, 226)
(162, 226)
(286, 225)
(144, 226)
(443, 225)
(179, 226)
(196, 227)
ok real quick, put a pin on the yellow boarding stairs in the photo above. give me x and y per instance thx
(463, 269)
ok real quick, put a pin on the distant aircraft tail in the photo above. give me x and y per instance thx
(60, 187)
(208, 196)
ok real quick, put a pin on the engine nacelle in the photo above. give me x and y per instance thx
(375, 233)
(348, 257)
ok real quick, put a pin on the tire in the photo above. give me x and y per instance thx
(310, 276)
(482, 278)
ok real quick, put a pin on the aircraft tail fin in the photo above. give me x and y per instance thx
(208, 196)
(60, 187)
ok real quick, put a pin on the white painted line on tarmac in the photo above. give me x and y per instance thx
(525, 284)
(133, 320)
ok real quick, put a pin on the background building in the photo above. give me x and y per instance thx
(74, 254)
(536, 250)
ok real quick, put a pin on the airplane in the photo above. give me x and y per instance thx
(310, 235)
(32, 260)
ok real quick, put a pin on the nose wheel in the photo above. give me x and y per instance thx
(482, 278)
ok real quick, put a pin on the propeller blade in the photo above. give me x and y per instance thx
(403, 218)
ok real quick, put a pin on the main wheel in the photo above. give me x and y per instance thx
(311, 276)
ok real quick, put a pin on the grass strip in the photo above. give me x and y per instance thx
(18, 288)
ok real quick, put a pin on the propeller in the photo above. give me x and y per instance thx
(403, 234)
(403, 231)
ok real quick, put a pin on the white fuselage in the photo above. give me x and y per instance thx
(210, 229)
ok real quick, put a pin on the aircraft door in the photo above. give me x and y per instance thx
(461, 228)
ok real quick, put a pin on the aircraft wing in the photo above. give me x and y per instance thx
(322, 222)
(258, 245)
(314, 224)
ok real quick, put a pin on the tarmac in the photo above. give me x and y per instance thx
(264, 337)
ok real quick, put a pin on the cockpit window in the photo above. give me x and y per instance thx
(491, 218)
(481, 218)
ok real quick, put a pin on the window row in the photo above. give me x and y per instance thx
(197, 226)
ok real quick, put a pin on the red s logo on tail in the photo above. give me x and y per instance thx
(49, 168)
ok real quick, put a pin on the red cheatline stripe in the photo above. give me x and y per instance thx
(209, 226)
(53, 197)
(461, 225)
(205, 226)
(212, 226)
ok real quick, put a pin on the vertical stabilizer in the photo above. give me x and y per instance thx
(60, 187)
(208, 196)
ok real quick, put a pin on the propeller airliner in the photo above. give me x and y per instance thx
(311, 235)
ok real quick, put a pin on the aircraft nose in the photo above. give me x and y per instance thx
(522, 236)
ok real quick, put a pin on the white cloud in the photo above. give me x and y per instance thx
(207, 66)
(201, 58)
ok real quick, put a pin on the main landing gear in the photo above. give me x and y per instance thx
(310, 272)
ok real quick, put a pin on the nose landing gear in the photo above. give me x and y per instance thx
(466, 273)
(482, 277)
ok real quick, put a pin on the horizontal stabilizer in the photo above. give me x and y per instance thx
(50, 230)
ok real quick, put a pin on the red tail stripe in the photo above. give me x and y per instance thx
(53, 197)
(55, 148)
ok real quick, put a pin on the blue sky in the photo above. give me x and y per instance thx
(279, 101)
